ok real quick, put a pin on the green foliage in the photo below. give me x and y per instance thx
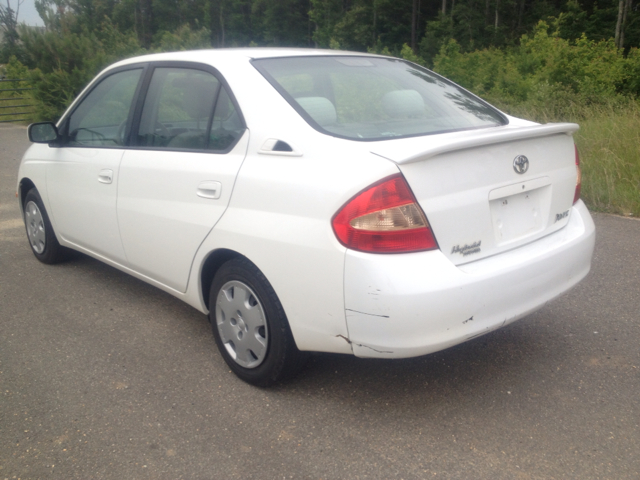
(231, 22)
(55, 90)
(354, 24)
(631, 84)
(10, 41)
(544, 67)
(281, 22)
(64, 63)
(354, 31)
(14, 69)
(52, 50)
(438, 34)
(117, 44)
(571, 23)
(379, 49)
(124, 16)
(592, 68)
(489, 73)
(64, 59)
(334, 44)
(325, 14)
(183, 39)
(408, 54)
(361, 25)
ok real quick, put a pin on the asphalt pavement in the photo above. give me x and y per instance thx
(105, 377)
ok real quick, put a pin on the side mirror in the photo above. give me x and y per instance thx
(43, 132)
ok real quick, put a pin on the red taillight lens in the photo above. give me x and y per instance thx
(576, 196)
(384, 218)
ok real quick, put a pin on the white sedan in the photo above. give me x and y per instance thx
(311, 200)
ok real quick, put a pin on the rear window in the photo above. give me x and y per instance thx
(369, 98)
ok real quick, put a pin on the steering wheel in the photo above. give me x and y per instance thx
(159, 130)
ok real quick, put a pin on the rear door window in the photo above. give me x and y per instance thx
(188, 109)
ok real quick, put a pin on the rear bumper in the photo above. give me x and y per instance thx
(412, 304)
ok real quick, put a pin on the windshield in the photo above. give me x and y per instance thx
(370, 98)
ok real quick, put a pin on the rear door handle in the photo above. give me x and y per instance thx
(105, 176)
(209, 189)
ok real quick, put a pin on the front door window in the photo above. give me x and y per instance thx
(101, 118)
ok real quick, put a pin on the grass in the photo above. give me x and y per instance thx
(609, 146)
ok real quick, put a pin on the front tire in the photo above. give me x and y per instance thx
(42, 238)
(250, 326)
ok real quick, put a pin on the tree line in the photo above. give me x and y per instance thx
(348, 24)
(456, 36)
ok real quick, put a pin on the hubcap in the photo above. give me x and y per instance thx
(35, 227)
(242, 324)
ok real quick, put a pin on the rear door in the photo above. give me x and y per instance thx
(176, 181)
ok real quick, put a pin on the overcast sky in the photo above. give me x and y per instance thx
(28, 13)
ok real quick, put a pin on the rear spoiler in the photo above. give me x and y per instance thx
(437, 145)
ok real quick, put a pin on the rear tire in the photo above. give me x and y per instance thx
(42, 238)
(250, 326)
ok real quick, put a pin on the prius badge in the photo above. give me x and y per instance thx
(521, 164)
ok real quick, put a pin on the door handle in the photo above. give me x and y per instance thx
(105, 176)
(209, 189)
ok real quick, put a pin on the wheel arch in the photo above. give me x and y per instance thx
(211, 265)
(23, 188)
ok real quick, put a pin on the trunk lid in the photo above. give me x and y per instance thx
(476, 197)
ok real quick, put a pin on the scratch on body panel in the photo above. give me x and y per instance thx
(486, 330)
(365, 313)
(361, 345)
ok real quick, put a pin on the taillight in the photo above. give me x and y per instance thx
(576, 196)
(384, 218)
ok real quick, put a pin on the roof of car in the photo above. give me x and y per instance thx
(222, 54)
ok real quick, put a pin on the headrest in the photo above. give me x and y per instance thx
(320, 109)
(197, 96)
(403, 104)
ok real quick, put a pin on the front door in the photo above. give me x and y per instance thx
(82, 173)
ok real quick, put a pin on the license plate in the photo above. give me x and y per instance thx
(519, 215)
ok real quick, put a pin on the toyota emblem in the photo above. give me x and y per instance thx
(521, 164)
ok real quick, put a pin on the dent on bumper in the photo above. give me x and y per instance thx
(413, 304)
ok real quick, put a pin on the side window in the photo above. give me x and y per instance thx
(226, 127)
(101, 118)
(187, 109)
